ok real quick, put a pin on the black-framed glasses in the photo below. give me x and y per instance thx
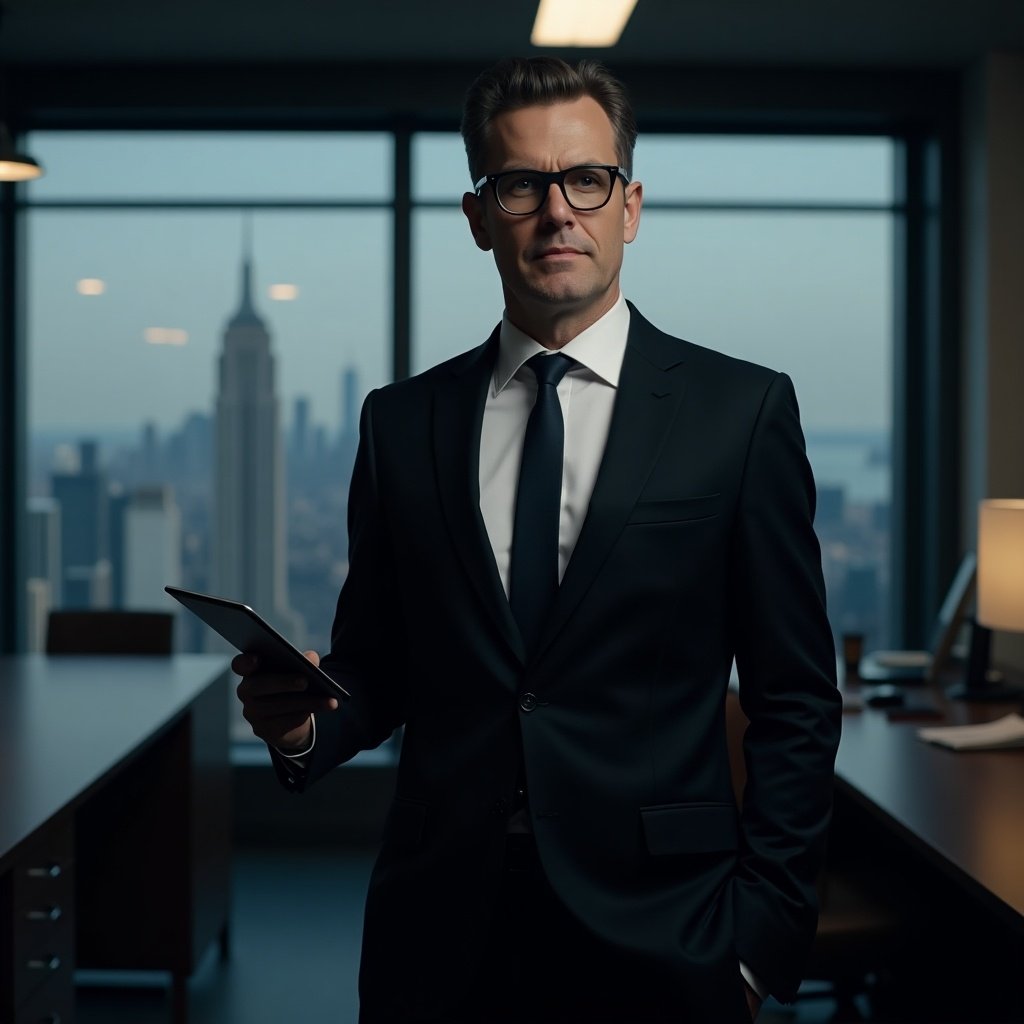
(524, 191)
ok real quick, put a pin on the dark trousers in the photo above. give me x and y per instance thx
(541, 966)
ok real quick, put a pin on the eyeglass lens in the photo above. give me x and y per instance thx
(586, 188)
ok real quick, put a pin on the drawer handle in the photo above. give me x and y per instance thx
(45, 914)
(47, 871)
(48, 963)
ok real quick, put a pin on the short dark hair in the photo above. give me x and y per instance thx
(518, 82)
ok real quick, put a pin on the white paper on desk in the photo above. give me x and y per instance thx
(1003, 732)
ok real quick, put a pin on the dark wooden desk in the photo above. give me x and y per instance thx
(963, 810)
(114, 822)
(942, 832)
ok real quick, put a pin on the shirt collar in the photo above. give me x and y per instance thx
(600, 348)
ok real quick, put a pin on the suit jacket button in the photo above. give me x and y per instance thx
(500, 808)
(528, 701)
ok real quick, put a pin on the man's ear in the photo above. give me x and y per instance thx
(631, 210)
(473, 208)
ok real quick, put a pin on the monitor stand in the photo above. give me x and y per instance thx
(980, 684)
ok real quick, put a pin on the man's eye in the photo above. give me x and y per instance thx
(522, 185)
(587, 180)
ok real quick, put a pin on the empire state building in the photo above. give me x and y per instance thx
(249, 541)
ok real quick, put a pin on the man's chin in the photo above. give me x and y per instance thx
(562, 294)
(556, 294)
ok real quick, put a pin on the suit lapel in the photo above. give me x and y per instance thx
(649, 392)
(458, 414)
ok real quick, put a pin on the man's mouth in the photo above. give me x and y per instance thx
(557, 251)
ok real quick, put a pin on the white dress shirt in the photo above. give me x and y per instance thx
(586, 394)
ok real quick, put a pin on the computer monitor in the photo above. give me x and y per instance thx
(924, 666)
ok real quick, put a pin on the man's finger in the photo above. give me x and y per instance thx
(254, 711)
(244, 664)
(282, 704)
(256, 686)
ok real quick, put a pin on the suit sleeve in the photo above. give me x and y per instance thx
(785, 657)
(367, 653)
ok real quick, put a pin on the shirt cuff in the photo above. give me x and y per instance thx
(300, 756)
(754, 982)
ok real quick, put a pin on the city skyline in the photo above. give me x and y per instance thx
(209, 504)
(853, 477)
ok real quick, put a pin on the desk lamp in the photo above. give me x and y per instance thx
(1000, 595)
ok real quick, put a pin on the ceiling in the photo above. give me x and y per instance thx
(845, 33)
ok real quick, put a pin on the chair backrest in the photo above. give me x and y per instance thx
(109, 632)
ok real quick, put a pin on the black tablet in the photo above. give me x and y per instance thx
(245, 630)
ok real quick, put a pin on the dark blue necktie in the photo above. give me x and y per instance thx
(533, 573)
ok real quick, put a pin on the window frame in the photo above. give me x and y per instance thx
(919, 111)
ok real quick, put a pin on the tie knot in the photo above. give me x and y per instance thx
(549, 369)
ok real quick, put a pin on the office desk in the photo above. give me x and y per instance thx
(114, 822)
(963, 810)
(939, 834)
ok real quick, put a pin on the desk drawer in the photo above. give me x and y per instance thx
(43, 877)
(42, 958)
(42, 915)
(51, 1004)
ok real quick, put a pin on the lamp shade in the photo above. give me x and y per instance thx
(15, 166)
(1001, 564)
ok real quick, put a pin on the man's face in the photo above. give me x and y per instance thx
(558, 262)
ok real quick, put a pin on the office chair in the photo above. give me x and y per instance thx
(109, 632)
(857, 929)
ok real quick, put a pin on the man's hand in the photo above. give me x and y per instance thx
(753, 1000)
(278, 707)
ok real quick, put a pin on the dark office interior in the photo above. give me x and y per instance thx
(864, 161)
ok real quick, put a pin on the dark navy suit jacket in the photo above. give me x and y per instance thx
(697, 548)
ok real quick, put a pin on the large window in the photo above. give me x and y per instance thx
(176, 284)
(776, 250)
(175, 277)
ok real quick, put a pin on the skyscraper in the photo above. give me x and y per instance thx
(299, 447)
(152, 548)
(44, 561)
(44, 583)
(300, 428)
(248, 535)
(349, 425)
(117, 504)
(84, 548)
(348, 433)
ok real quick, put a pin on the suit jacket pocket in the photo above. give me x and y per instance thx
(690, 828)
(403, 829)
(675, 510)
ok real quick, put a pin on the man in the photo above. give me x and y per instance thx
(553, 563)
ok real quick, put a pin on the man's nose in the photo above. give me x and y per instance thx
(556, 207)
